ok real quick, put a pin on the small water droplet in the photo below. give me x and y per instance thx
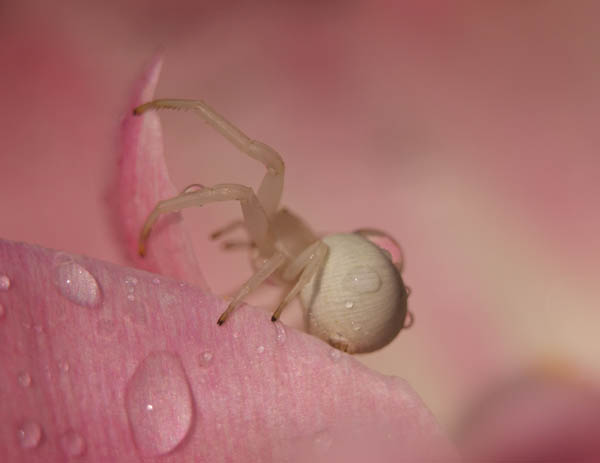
(29, 434)
(281, 334)
(2, 311)
(156, 281)
(130, 297)
(24, 379)
(129, 280)
(349, 304)
(4, 283)
(205, 358)
(76, 284)
(105, 327)
(182, 285)
(236, 335)
(355, 326)
(335, 355)
(72, 443)
(64, 366)
(158, 402)
(362, 279)
(260, 349)
(39, 329)
(322, 441)
(131, 289)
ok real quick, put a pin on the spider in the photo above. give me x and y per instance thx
(352, 292)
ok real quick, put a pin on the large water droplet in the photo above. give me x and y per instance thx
(362, 279)
(72, 443)
(158, 402)
(24, 379)
(76, 284)
(29, 434)
(4, 283)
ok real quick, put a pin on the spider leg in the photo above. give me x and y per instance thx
(264, 272)
(255, 219)
(271, 187)
(226, 229)
(307, 264)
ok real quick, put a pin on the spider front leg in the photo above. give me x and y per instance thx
(271, 187)
(264, 272)
(307, 264)
(255, 218)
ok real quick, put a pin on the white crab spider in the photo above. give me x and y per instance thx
(352, 293)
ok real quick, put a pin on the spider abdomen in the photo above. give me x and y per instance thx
(357, 302)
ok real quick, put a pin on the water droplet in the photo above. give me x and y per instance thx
(236, 335)
(362, 279)
(29, 434)
(260, 349)
(131, 281)
(64, 366)
(322, 441)
(39, 329)
(131, 289)
(335, 355)
(2, 311)
(24, 379)
(156, 281)
(160, 382)
(136, 311)
(349, 304)
(4, 283)
(281, 334)
(76, 284)
(205, 358)
(105, 327)
(72, 443)
(355, 326)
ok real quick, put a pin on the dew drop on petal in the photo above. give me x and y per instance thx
(322, 441)
(72, 443)
(362, 279)
(260, 349)
(156, 281)
(335, 355)
(281, 334)
(205, 358)
(158, 402)
(4, 283)
(29, 434)
(64, 366)
(24, 379)
(76, 284)
(349, 304)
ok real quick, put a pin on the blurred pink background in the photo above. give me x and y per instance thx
(469, 132)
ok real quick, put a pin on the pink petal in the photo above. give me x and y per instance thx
(124, 364)
(143, 181)
(538, 417)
